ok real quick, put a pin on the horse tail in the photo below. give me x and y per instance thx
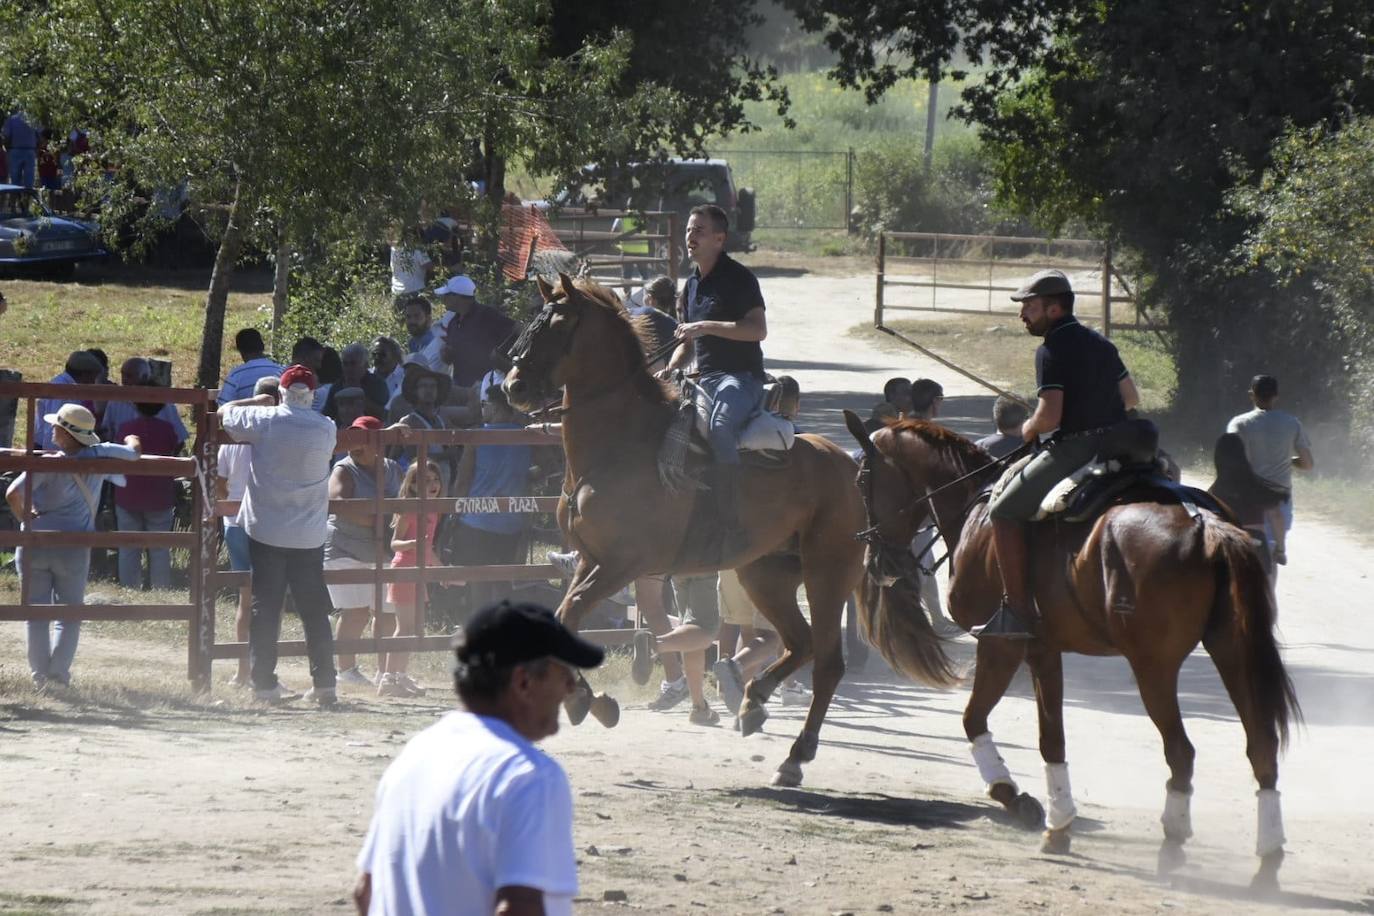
(1247, 608)
(895, 622)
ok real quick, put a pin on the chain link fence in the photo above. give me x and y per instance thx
(796, 189)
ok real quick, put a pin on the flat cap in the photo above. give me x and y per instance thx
(1044, 283)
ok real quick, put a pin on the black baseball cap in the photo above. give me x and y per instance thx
(1045, 283)
(509, 633)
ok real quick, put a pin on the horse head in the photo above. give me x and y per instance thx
(546, 354)
(890, 494)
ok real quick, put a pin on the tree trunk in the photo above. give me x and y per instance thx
(217, 299)
(494, 173)
(281, 281)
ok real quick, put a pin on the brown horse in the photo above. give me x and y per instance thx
(799, 519)
(1146, 579)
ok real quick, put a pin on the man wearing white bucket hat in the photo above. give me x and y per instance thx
(62, 502)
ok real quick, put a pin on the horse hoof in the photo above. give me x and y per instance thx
(1029, 812)
(578, 705)
(1266, 880)
(788, 776)
(642, 661)
(751, 720)
(1171, 856)
(1056, 842)
(606, 710)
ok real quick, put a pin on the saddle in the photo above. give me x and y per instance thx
(765, 442)
(1128, 468)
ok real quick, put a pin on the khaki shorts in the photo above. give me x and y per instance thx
(695, 597)
(736, 607)
(351, 596)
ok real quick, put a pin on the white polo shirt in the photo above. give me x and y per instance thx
(467, 808)
(286, 500)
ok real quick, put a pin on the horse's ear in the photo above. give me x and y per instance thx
(545, 288)
(569, 290)
(856, 429)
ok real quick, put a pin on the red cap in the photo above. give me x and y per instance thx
(366, 423)
(298, 375)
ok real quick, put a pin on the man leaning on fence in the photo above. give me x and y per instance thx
(285, 512)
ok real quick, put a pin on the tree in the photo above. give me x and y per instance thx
(1139, 118)
(310, 119)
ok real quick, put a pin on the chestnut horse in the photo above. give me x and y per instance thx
(1148, 580)
(800, 518)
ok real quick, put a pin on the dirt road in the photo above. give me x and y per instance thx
(143, 799)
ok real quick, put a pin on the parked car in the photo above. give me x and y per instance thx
(32, 235)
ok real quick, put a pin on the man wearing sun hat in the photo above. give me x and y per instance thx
(285, 513)
(62, 502)
(472, 817)
(470, 330)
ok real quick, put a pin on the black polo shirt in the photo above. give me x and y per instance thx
(1085, 366)
(728, 293)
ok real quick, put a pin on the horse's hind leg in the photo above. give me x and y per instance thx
(1047, 669)
(1158, 683)
(1262, 747)
(997, 661)
(771, 583)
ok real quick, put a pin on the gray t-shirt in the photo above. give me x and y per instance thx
(63, 504)
(348, 540)
(286, 501)
(1271, 439)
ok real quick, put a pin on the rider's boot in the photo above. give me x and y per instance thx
(725, 485)
(1016, 617)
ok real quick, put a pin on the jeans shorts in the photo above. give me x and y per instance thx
(236, 540)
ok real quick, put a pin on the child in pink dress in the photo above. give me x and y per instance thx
(402, 598)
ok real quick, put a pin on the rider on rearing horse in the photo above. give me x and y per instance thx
(1084, 391)
(722, 323)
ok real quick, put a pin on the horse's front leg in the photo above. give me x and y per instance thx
(1047, 671)
(591, 582)
(996, 665)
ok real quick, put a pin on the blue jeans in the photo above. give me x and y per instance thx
(131, 558)
(274, 569)
(23, 165)
(737, 399)
(57, 575)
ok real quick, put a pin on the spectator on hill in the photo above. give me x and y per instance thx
(897, 392)
(471, 331)
(147, 503)
(356, 374)
(1008, 414)
(425, 391)
(136, 371)
(353, 541)
(491, 538)
(21, 143)
(387, 357)
(472, 817)
(1275, 444)
(424, 342)
(403, 601)
(285, 513)
(255, 365)
(231, 480)
(49, 175)
(411, 269)
(82, 369)
(61, 502)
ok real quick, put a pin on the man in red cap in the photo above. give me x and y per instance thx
(285, 513)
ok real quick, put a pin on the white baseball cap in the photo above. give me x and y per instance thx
(460, 285)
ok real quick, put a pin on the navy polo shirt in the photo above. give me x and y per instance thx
(1085, 366)
(728, 293)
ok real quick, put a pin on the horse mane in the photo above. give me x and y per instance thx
(962, 452)
(636, 337)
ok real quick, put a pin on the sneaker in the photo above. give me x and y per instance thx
(730, 684)
(704, 715)
(323, 697)
(238, 682)
(670, 693)
(795, 694)
(276, 695)
(391, 687)
(354, 677)
(40, 682)
(409, 684)
(565, 563)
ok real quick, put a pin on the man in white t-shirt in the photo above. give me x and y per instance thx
(472, 819)
(1275, 444)
(411, 269)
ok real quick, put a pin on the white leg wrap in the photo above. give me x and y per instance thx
(1270, 836)
(1177, 817)
(1062, 809)
(990, 764)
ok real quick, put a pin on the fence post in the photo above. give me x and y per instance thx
(882, 267)
(1107, 289)
(672, 248)
(205, 558)
(849, 191)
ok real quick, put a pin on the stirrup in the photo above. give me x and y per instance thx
(1005, 624)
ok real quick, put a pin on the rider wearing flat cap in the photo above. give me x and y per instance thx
(1084, 390)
